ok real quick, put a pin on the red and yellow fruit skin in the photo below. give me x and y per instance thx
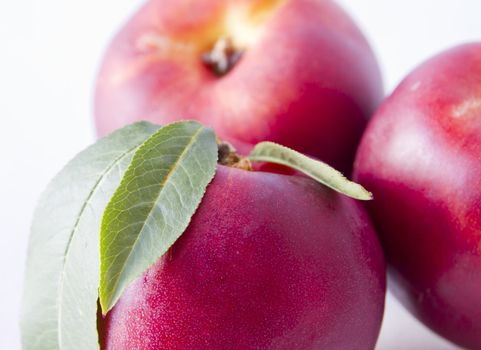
(307, 79)
(268, 261)
(421, 158)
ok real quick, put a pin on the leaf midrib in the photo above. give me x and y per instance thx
(74, 230)
(174, 166)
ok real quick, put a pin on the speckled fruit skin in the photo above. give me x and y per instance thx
(268, 262)
(421, 158)
(308, 78)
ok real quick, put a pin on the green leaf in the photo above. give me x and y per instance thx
(154, 203)
(59, 309)
(319, 171)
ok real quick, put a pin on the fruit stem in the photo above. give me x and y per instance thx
(222, 57)
(228, 156)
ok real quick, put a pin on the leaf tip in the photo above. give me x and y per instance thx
(104, 301)
(366, 195)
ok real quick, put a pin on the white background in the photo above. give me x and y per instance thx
(49, 55)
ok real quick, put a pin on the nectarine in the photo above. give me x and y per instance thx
(421, 158)
(268, 261)
(296, 72)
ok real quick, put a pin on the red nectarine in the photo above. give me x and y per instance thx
(268, 261)
(296, 72)
(421, 158)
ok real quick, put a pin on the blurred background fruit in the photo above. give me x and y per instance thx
(421, 158)
(296, 72)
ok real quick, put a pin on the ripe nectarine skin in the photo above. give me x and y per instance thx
(421, 158)
(268, 261)
(306, 77)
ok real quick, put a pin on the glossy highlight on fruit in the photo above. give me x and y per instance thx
(268, 261)
(421, 158)
(296, 72)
